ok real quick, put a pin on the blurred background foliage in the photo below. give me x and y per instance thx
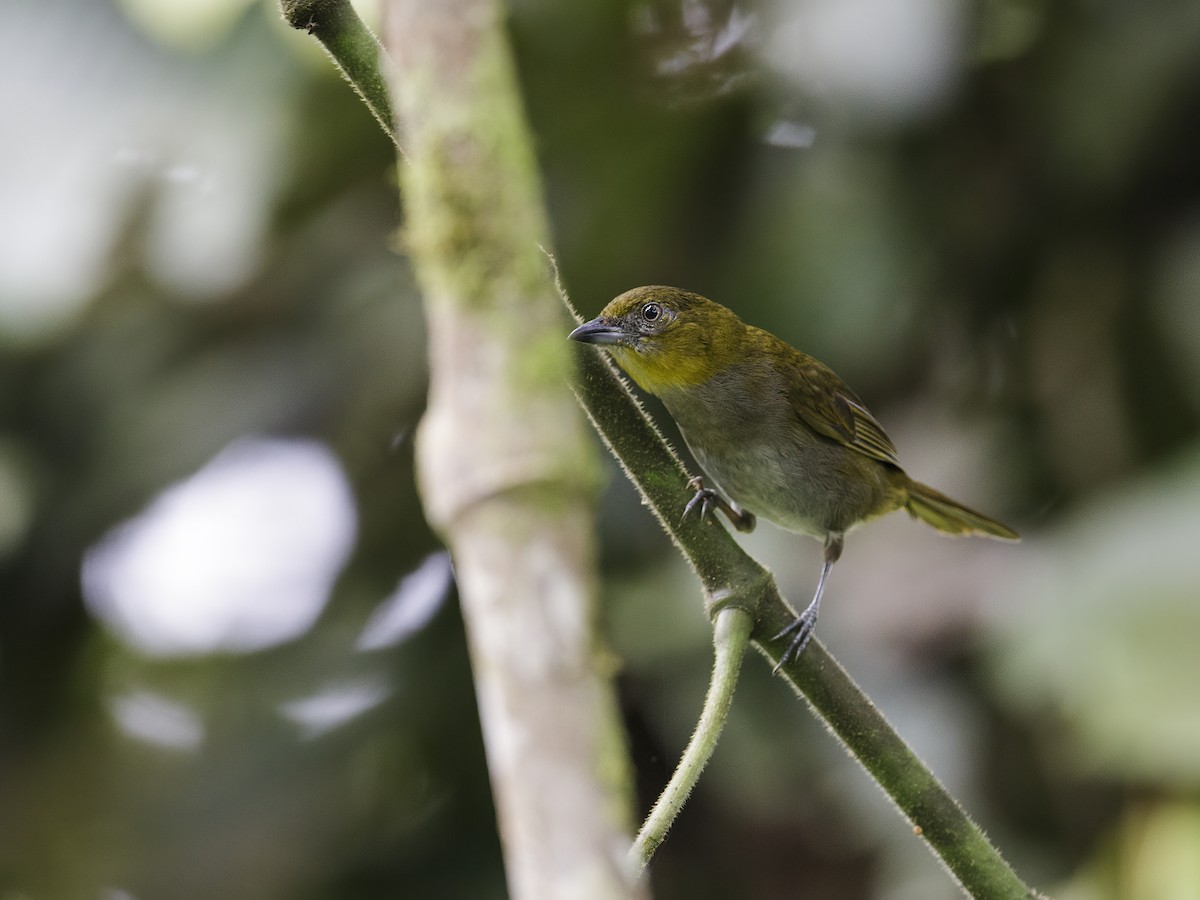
(230, 660)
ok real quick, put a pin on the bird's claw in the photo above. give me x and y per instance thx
(707, 501)
(803, 627)
(710, 502)
(706, 498)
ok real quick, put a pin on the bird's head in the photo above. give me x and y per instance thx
(666, 338)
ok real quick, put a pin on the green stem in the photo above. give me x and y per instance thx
(353, 48)
(730, 633)
(935, 816)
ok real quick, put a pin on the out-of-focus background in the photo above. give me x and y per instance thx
(231, 662)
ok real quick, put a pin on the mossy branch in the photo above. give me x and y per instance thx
(729, 577)
(506, 467)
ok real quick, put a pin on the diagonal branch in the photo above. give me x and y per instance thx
(731, 578)
(353, 48)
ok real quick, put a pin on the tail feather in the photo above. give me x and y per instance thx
(951, 516)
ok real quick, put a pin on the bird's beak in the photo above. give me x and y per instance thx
(600, 331)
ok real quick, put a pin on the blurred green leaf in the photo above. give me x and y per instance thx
(1099, 639)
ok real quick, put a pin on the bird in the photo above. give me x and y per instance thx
(776, 432)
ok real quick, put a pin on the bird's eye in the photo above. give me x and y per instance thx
(651, 312)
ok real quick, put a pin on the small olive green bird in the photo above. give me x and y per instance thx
(775, 430)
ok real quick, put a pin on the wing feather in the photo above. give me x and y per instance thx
(827, 405)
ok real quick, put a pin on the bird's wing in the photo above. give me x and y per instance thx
(826, 405)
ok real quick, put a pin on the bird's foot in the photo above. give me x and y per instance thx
(709, 501)
(706, 499)
(802, 630)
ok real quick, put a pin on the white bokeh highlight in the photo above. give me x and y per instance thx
(880, 61)
(154, 719)
(416, 599)
(240, 556)
(112, 134)
(333, 706)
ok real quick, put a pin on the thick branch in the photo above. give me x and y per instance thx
(506, 467)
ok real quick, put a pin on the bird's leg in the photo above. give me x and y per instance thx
(708, 500)
(804, 625)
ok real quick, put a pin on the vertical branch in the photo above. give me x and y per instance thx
(507, 472)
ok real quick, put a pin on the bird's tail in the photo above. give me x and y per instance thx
(950, 516)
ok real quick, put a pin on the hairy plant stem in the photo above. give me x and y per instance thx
(730, 633)
(354, 49)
